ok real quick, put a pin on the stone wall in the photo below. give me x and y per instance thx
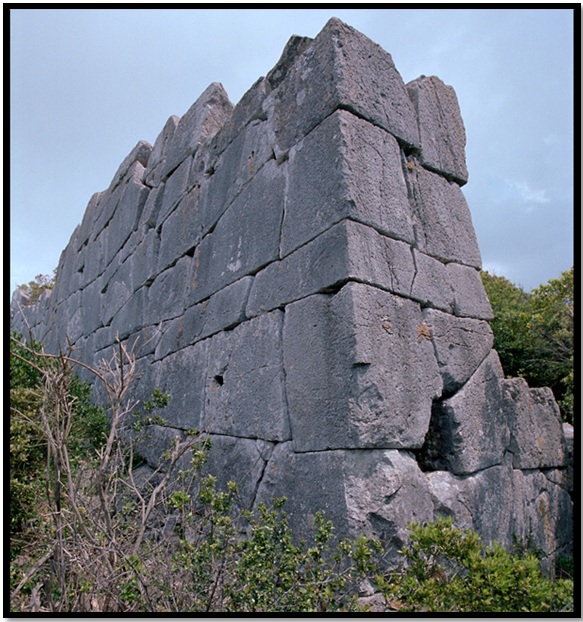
(300, 272)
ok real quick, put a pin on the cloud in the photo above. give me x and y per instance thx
(527, 194)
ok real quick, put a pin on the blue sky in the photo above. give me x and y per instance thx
(87, 84)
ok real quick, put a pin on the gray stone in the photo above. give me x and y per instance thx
(240, 460)
(245, 394)
(130, 318)
(182, 375)
(175, 187)
(344, 168)
(373, 492)
(341, 69)
(469, 296)
(431, 286)
(245, 239)
(568, 444)
(166, 293)
(223, 310)
(140, 154)
(347, 251)
(441, 129)
(201, 122)
(231, 172)
(359, 371)
(537, 435)
(470, 431)
(444, 226)
(157, 159)
(179, 234)
(461, 344)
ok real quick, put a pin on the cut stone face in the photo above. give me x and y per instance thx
(537, 436)
(441, 129)
(341, 68)
(245, 393)
(469, 432)
(360, 371)
(345, 168)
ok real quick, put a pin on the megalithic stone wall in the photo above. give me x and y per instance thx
(300, 272)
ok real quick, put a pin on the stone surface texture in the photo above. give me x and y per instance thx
(301, 274)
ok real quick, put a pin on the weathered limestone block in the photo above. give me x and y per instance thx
(183, 376)
(231, 172)
(139, 154)
(360, 371)
(537, 435)
(345, 168)
(441, 129)
(431, 286)
(166, 293)
(374, 492)
(484, 502)
(201, 122)
(347, 251)
(461, 344)
(130, 318)
(127, 216)
(157, 159)
(175, 187)
(179, 234)
(341, 68)
(470, 431)
(245, 392)
(245, 239)
(544, 513)
(241, 460)
(222, 311)
(469, 296)
(569, 442)
(443, 226)
(85, 229)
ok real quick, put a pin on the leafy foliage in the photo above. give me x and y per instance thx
(33, 289)
(449, 569)
(534, 333)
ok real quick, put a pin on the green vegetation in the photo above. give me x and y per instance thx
(33, 289)
(534, 333)
(449, 569)
(95, 530)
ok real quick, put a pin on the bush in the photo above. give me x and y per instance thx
(449, 569)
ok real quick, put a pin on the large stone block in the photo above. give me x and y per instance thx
(231, 172)
(139, 154)
(461, 344)
(245, 393)
(341, 68)
(345, 168)
(222, 311)
(347, 251)
(183, 375)
(443, 223)
(245, 239)
(469, 296)
(373, 492)
(179, 234)
(201, 122)
(157, 160)
(175, 187)
(240, 460)
(537, 435)
(441, 129)
(470, 431)
(166, 294)
(360, 371)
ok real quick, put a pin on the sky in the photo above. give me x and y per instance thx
(87, 84)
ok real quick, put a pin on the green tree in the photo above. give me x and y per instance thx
(534, 333)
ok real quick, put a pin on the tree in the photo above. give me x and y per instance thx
(534, 333)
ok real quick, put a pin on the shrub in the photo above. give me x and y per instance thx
(449, 569)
